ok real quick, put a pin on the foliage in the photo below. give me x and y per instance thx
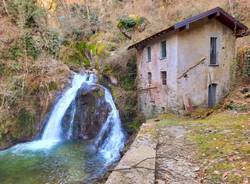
(82, 54)
(25, 45)
(129, 80)
(125, 92)
(51, 42)
(24, 12)
(15, 52)
(24, 117)
(130, 22)
(31, 47)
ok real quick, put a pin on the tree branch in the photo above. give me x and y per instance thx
(136, 166)
(5, 8)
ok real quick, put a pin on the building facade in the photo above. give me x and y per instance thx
(187, 65)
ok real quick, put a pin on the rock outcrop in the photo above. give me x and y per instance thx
(91, 112)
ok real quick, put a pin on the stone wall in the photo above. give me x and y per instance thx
(184, 50)
(155, 97)
(193, 46)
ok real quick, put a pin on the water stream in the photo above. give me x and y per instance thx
(57, 158)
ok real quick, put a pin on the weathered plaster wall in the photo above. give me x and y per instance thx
(193, 45)
(184, 50)
(155, 97)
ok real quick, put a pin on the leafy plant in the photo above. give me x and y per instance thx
(51, 42)
(130, 22)
(31, 47)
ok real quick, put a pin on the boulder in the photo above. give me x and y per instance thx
(91, 112)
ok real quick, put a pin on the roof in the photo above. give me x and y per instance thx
(217, 13)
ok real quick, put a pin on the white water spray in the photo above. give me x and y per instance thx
(113, 144)
(53, 128)
(52, 132)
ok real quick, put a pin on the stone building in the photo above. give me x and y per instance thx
(188, 64)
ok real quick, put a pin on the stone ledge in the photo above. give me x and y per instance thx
(138, 164)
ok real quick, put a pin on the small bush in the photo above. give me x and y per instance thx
(51, 42)
(24, 12)
(130, 22)
(31, 47)
(24, 45)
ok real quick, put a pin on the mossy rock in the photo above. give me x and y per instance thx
(98, 93)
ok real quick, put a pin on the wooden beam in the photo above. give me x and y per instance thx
(192, 67)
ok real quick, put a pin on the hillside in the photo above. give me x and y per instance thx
(40, 41)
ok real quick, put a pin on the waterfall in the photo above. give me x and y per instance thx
(70, 131)
(114, 143)
(53, 127)
(52, 132)
(110, 138)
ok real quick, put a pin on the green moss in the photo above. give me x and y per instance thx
(98, 93)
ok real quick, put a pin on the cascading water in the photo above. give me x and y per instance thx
(52, 132)
(53, 128)
(114, 143)
(70, 131)
(78, 158)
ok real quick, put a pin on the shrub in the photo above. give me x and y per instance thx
(130, 22)
(81, 54)
(24, 45)
(24, 12)
(15, 52)
(31, 47)
(51, 42)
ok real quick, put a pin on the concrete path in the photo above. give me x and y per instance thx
(138, 164)
(175, 162)
(159, 155)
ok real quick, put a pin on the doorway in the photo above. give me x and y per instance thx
(212, 95)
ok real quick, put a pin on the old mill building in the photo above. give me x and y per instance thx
(188, 64)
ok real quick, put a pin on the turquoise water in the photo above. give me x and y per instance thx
(66, 163)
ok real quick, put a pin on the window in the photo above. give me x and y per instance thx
(164, 77)
(149, 54)
(163, 49)
(149, 78)
(213, 51)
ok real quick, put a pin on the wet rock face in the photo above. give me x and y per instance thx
(91, 112)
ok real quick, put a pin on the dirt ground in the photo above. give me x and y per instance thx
(175, 161)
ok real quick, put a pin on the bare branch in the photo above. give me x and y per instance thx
(5, 7)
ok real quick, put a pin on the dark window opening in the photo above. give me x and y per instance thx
(164, 77)
(163, 49)
(149, 78)
(213, 51)
(149, 53)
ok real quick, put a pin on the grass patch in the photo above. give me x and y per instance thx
(223, 144)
